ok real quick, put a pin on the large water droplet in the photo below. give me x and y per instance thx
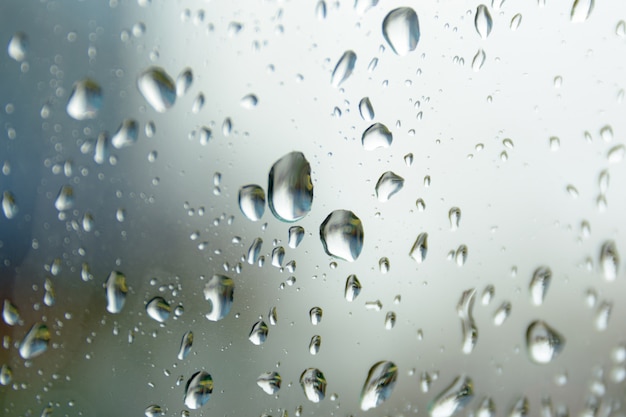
(376, 136)
(9, 206)
(539, 284)
(342, 235)
(126, 134)
(158, 88)
(252, 201)
(609, 260)
(543, 342)
(353, 288)
(581, 9)
(116, 291)
(452, 399)
(183, 82)
(314, 344)
(185, 345)
(10, 313)
(65, 198)
(314, 384)
(388, 184)
(379, 384)
(486, 408)
(420, 248)
(468, 326)
(269, 382)
(35, 342)
(296, 234)
(258, 333)
(158, 309)
(365, 109)
(18, 46)
(343, 69)
(198, 390)
(219, 292)
(401, 30)
(482, 21)
(85, 100)
(290, 189)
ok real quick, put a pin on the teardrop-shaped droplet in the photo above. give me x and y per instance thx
(388, 184)
(88, 222)
(390, 320)
(198, 390)
(290, 189)
(158, 88)
(502, 313)
(255, 251)
(468, 326)
(252, 201)
(85, 100)
(314, 384)
(18, 46)
(482, 21)
(452, 399)
(376, 136)
(581, 9)
(65, 198)
(488, 294)
(258, 333)
(197, 104)
(461, 255)
(401, 30)
(315, 314)
(35, 342)
(420, 248)
(10, 313)
(249, 101)
(539, 284)
(314, 344)
(219, 293)
(353, 288)
(343, 69)
(184, 81)
(603, 314)
(342, 234)
(185, 345)
(486, 408)
(158, 309)
(6, 375)
(543, 342)
(126, 135)
(609, 260)
(520, 408)
(278, 255)
(379, 384)
(384, 265)
(479, 60)
(101, 150)
(272, 316)
(116, 291)
(269, 382)
(296, 234)
(454, 215)
(516, 21)
(9, 206)
(365, 109)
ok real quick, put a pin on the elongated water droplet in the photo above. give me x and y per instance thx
(35, 342)
(479, 60)
(390, 320)
(420, 248)
(353, 288)
(342, 235)
(272, 316)
(219, 292)
(581, 9)
(520, 408)
(252, 201)
(18, 46)
(255, 250)
(516, 21)
(425, 381)
(452, 399)
(198, 103)
(502, 313)
(258, 333)
(10, 313)
(320, 10)
(482, 21)
(539, 284)
(198, 390)
(6, 375)
(401, 30)
(126, 135)
(609, 260)
(365, 109)
(49, 296)
(488, 294)
(315, 315)
(314, 384)
(379, 384)
(454, 215)
(65, 198)
(376, 136)
(116, 291)
(620, 29)
(290, 189)
(314, 344)
(85, 100)
(296, 234)
(158, 309)
(101, 150)
(468, 326)
(543, 342)
(278, 255)
(184, 81)
(343, 69)
(388, 184)
(269, 382)
(185, 345)
(88, 222)
(486, 408)
(461, 255)
(603, 314)
(158, 88)
(9, 206)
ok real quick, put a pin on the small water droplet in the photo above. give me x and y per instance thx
(290, 189)
(314, 344)
(219, 293)
(116, 291)
(408, 159)
(365, 109)
(18, 46)
(153, 411)
(378, 385)
(6, 375)
(10, 313)
(388, 184)
(258, 333)
(419, 203)
(555, 143)
(198, 390)
(376, 136)
(620, 29)
(342, 235)
(468, 326)
(401, 30)
(252, 201)
(314, 384)
(157, 88)
(315, 314)
(479, 60)
(609, 260)
(520, 408)
(482, 21)
(420, 248)
(452, 399)
(539, 284)
(454, 215)
(373, 305)
(361, 6)
(185, 345)
(488, 294)
(249, 101)
(9, 206)
(603, 314)
(126, 134)
(516, 21)
(278, 255)
(320, 10)
(616, 154)
(486, 408)
(269, 382)
(158, 309)
(502, 313)
(184, 81)
(272, 316)
(384, 265)
(390, 320)
(343, 69)
(581, 9)
(461, 255)
(85, 100)
(49, 294)
(296, 234)
(353, 288)
(35, 342)
(425, 382)
(254, 251)
(543, 342)
(198, 103)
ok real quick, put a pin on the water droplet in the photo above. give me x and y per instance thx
(468, 326)
(116, 291)
(461, 255)
(620, 29)
(353, 288)
(314, 384)
(603, 314)
(479, 60)
(18, 46)
(185, 345)
(452, 399)
(6, 375)
(9, 206)
(384, 265)
(486, 408)
(183, 82)
(255, 250)
(158, 88)
(425, 381)
(126, 134)
(543, 342)
(581, 9)
(502, 313)
(252, 201)
(197, 104)
(249, 101)
(342, 235)
(603, 181)
(272, 316)
(361, 6)
(609, 260)
(520, 408)
(35, 342)
(388, 184)
(365, 109)
(488, 294)
(258, 333)
(555, 143)
(482, 21)
(101, 150)
(390, 320)
(219, 292)
(158, 309)
(379, 384)
(88, 222)
(616, 154)
(376, 136)
(420, 248)
(85, 100)
(296, 234)
(539, 284)
(314, 344)
(269, 382)
(49, 294)
(290, 189)
(278, 255)
(401, 30)
(315, 315)
(516, 21)
(454, 215)
(10, 313)
(153, 411)
(343, 69)
(320, 10)
(65, 198)
(408, 159)
(198, 390)
(419, 203)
